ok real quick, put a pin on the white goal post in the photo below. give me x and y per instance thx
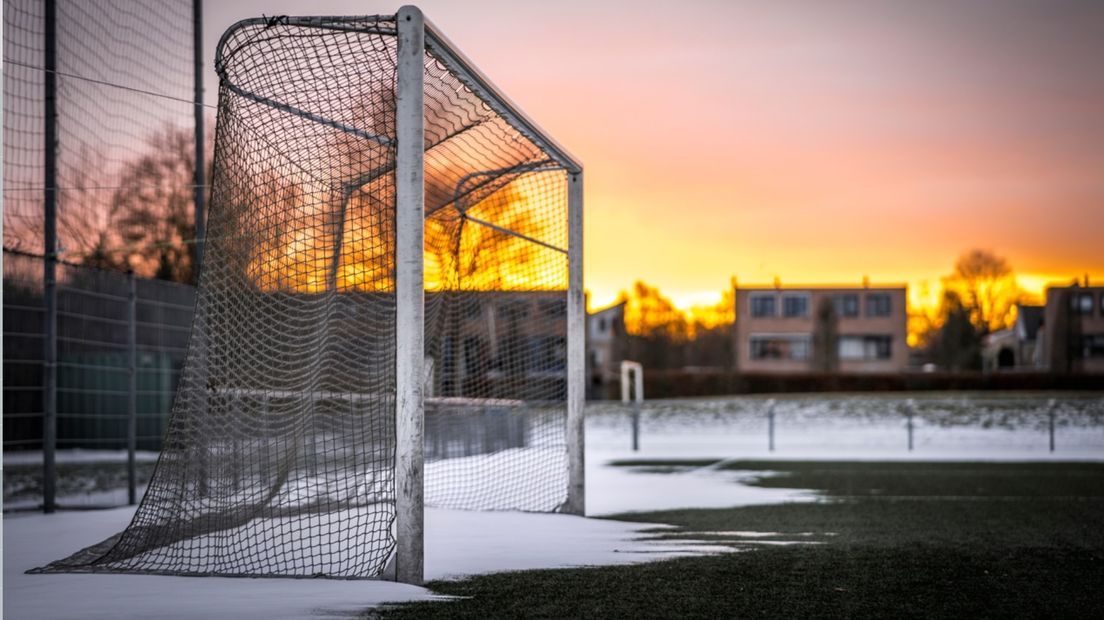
(415, 35)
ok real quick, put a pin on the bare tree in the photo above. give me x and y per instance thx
(87, 213)
(85, 230)
(985, 285)
(155, 203)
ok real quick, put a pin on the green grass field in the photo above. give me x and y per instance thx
(888, 540)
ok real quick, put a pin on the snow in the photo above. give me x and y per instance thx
(458, 543)
(612, 490)
(31, 541)
(462, 543)
(866, 427)
(94, 499)
(34, 457)
(495, 481)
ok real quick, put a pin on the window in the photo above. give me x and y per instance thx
(795, 305)
(1081, 303)
(865, 348)
(878, 304)
(782, 347)
(847, 305)
(762, 305)
(1092, 346)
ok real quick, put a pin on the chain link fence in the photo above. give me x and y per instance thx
(103, 155)
(940, 425)
(107, 322)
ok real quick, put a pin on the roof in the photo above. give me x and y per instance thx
(822, 287)
(1028, 321)
(607, 309)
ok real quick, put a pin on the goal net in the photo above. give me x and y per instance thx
(280, 459)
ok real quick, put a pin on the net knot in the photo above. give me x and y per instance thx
(274, 20)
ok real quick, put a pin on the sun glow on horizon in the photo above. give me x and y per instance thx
(924, 297)
(811, 144)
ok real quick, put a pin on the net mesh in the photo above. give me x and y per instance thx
(125, 154)
(279, 460)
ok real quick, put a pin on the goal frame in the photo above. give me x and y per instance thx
(416, 35)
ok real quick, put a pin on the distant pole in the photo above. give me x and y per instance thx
(632, 393)
(909, 404)
(132, 387)
(200, 175)
(49, 279)
(770, 424)
(636, 427)
(1050, 413)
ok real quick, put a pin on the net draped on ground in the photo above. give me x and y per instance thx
(279, 459)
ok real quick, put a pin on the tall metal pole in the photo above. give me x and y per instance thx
(576, 349)
(409, 297)
(200, 176)
(49, 280)
(132, 387)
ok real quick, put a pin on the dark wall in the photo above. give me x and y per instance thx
(676, 383)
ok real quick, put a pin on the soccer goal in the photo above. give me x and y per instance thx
(390, 313)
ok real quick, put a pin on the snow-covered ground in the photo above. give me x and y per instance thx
(945, 426)
(464, 543)
(868, 427)
(63, 457)
(458, 543)
(613, 490)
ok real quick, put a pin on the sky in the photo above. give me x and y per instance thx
(807, 141)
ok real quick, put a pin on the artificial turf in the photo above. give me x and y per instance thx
(984, 540)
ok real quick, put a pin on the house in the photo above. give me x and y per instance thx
(1073, 329)
(605, 345)
(1016, 347)
(820, 328)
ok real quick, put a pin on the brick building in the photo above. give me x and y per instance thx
(820, 328)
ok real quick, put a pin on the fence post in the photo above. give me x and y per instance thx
(49, 281)
(132, 387)
(200, 173)
(636, 426)
(770, 424)
(636, 386)
(1050, 414)
(909, 405)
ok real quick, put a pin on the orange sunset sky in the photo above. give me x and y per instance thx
(814, 141)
